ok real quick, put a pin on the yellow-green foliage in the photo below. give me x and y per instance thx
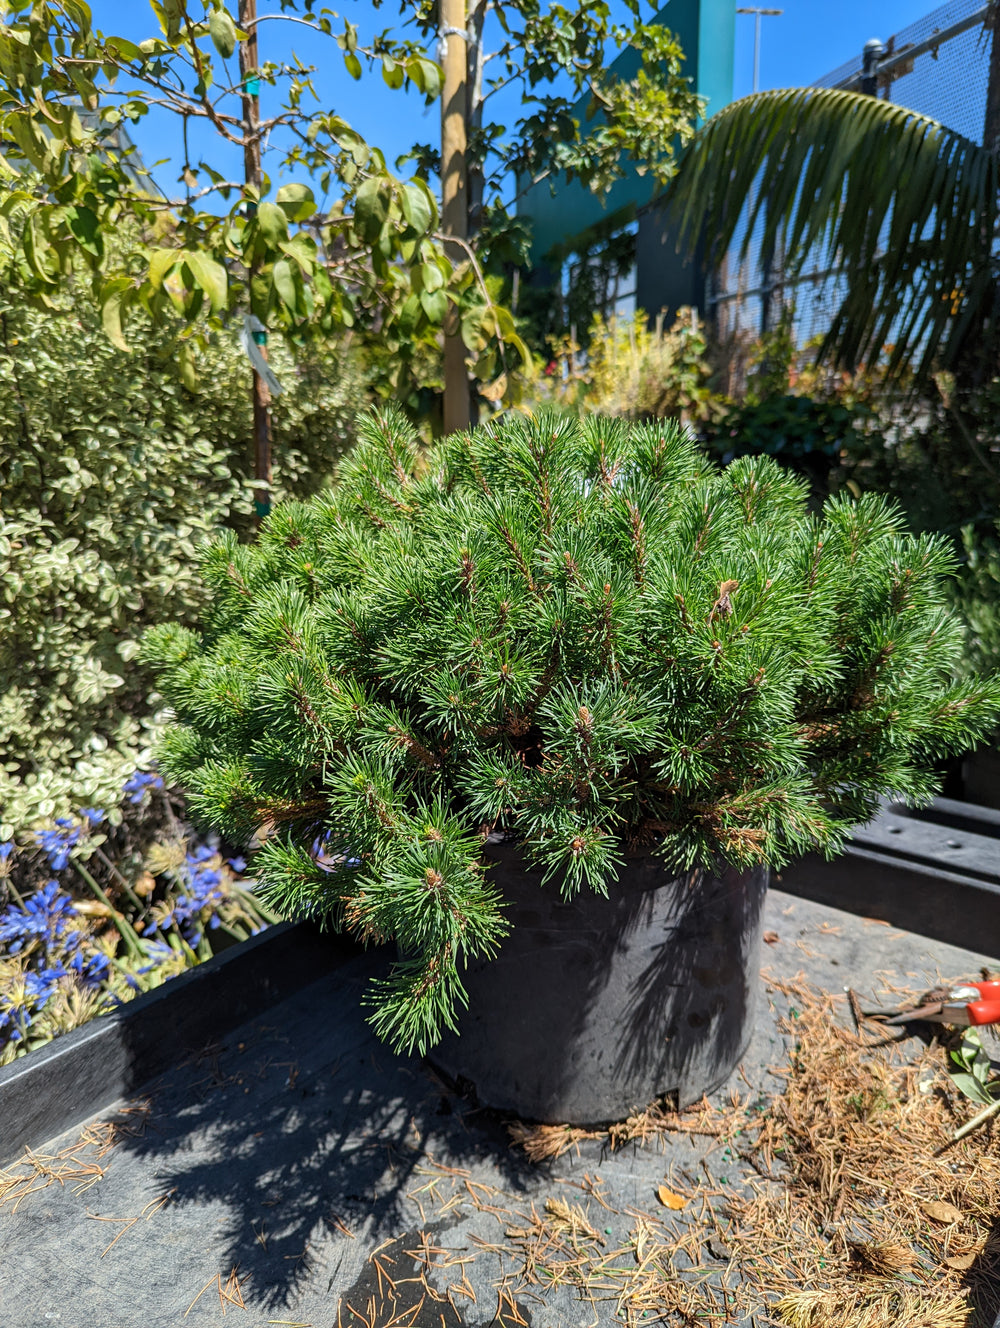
(111, 474)
(636, 371)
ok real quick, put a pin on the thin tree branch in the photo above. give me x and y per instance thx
(196, 56)
(481, 282)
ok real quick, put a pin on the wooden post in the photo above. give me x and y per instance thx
(253, 175)
(454, 199)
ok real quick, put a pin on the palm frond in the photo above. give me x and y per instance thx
(903, 208)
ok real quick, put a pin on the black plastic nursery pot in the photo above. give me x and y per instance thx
(595, 1007)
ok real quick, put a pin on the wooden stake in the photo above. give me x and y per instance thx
(253, 175)
(454, 198)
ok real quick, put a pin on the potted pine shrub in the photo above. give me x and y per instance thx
(542, 705)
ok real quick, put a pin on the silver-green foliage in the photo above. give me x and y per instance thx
(576, 632)
(111, 475)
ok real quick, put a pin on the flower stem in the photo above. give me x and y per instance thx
(130, 893)
(976, 1121)
(10, 887)
(122, 924)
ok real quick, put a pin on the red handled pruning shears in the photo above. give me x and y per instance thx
(978, 1003)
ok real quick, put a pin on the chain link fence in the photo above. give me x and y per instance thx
(938, 66)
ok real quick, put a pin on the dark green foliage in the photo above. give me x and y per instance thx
(901, 207)
(580, 633)
(804, 432)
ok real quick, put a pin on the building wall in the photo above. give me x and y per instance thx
(706, 31)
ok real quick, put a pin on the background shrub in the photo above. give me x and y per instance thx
(112, 472)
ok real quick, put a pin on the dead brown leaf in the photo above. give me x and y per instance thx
(939, 1211)
(959, 1261)
(669, 1199)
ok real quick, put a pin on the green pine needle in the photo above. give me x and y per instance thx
(575, 633)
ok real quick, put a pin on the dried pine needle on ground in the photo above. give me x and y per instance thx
(860, 1212)
(861, 1215)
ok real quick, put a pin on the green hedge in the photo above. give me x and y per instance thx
(112, 472)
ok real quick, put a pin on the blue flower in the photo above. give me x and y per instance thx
(46, 916)
(59, 842)
(137, 784)
(158, 952)
(6, 850)
(239, 865)
(95, 815)
(202, 895)
(41, 986)
(92, 968)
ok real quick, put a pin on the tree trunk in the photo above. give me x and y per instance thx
(474, 111)
(454, 200)
(253, 175)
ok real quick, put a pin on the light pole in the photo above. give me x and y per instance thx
(757, 15)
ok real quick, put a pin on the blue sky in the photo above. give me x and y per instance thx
(809, 39)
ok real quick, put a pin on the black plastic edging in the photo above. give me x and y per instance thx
(946, 906)
(59, 1085)
(82, 1072)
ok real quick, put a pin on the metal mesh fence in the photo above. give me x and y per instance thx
(937, 66)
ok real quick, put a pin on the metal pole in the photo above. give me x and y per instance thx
(767, 259)
(758, 14)
(454, 198)
(870, 57)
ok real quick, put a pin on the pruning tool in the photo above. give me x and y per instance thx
(975, 1004)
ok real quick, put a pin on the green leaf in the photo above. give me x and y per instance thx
(85, 228)
(111, 310)
(418, 208)
(125, 50)
(370, 209)
(301, 249)
(434, 305)
(273, 223)
(297, 201)
(170, 13)
(285, 284)
(222, 30)
(160, 263)
(431, 278)
(353, 65)
(210, 276)
(472, 328)
(189, 371)
(972, 1088)
(36, 248)
(393, 73)
(426, 75)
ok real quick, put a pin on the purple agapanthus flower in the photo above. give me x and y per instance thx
(48, 916)
(137, 784)
(59, 842)
(203, 894)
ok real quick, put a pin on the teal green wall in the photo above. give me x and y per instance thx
(705, 30)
